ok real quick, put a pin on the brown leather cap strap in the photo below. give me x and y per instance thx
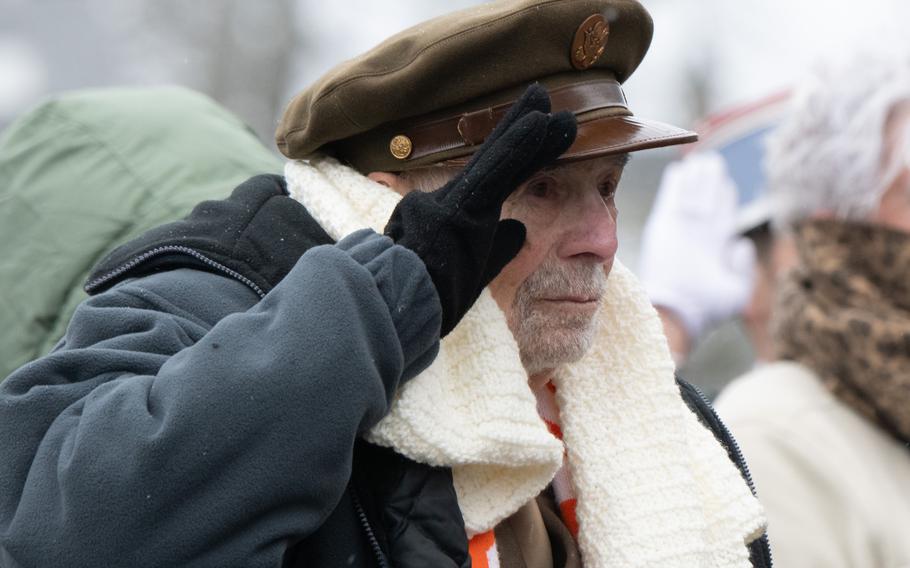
(470, 129)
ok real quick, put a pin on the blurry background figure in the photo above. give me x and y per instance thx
(826, 429)
(54, 230)
(707, 249)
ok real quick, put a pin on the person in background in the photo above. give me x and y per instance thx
(115, 147)
(826, 428)
(708, 253)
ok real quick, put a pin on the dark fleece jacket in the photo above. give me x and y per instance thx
(208, 417)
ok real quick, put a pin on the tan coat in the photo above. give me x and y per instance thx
(836, 488)
(536, 537)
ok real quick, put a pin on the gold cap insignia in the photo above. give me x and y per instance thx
(590, 41)
(401, 146)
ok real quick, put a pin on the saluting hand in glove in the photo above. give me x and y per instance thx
(692, 261)
(456, 229)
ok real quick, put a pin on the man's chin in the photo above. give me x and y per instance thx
(556, 344)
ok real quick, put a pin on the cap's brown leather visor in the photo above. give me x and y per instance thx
(613, 130)
(615, 135)
(619, 134)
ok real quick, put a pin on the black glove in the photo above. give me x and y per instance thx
(456, 229)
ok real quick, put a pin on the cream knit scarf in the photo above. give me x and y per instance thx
(654, 488)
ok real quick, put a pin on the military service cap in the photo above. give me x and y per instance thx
(432, 93)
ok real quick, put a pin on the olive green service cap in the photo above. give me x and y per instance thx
(432, 93)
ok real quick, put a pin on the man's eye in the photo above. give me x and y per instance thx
(540, 188)
(607, 191)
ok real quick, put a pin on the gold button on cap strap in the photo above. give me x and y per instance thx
(401, 147)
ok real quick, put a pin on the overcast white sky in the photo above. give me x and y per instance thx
(751, 48)
(745, 48)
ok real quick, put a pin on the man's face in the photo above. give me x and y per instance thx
(552, 290)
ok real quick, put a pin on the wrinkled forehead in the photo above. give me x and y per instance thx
(593, 167)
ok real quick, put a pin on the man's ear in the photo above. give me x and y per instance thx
(392, 181)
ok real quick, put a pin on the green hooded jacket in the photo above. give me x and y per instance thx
(88, 170)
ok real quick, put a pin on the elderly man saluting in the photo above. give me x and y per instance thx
(263, 383)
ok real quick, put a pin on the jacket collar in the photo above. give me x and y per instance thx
(255, 236)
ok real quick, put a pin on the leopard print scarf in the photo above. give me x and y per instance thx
(845, 313)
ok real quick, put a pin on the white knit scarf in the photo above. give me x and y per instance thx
(654, 487)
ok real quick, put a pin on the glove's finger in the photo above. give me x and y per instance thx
(561, 133)
(535, 98)
(562, 127)
(488, 183)
(507, 242)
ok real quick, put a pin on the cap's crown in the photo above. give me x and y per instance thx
(461, 63)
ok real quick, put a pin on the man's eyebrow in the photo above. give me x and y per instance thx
(548, 169)
(621, 160)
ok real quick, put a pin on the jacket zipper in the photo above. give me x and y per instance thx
(365, 523)
(123, 268)
(737, 453)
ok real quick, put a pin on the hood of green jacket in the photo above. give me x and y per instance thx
(88, 170)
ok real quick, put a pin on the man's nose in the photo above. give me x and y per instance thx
(589, 230)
